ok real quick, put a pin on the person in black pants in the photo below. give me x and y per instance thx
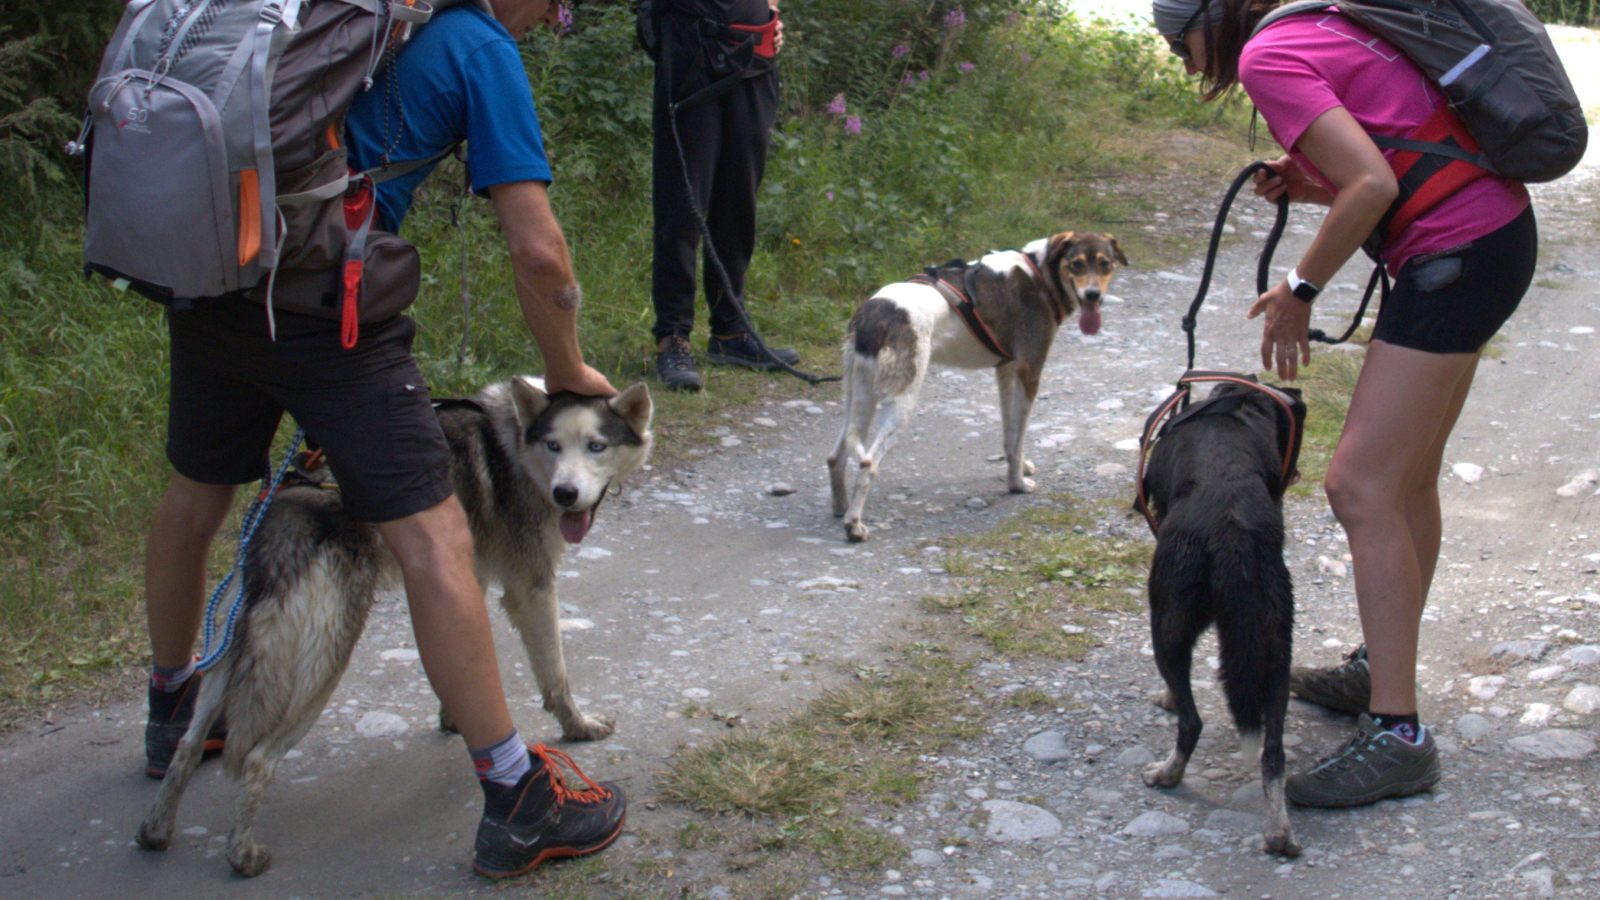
(725, 140)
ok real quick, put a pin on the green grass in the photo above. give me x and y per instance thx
(808, 774)
(1041, 570)
(949, 166)
(1326, 387)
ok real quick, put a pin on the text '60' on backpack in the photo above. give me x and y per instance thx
(216, 160)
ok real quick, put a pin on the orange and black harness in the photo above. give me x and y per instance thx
(959, 295)
(1177, 409)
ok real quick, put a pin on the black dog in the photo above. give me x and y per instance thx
(1215, 484)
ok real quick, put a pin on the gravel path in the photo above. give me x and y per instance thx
(701, 586)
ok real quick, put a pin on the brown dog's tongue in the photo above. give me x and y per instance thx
(574, 525)
(1089, 318)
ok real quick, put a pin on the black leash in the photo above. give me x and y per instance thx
(712, 91)
(1264, 267)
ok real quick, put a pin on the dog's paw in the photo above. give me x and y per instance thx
(1163, 774)
(588, 728)
(855, 531)
(1163, 699)
(1022, 486)
(249, 859)
(154, 835)
(1282, 844)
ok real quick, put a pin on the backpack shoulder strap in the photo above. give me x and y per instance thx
(1292, 9)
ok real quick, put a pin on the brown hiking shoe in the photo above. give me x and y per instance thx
(1345, 688)
(1374, 764)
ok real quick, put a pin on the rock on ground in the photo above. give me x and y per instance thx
(1010, 821)
(1155, 823)
(1554, 743)
(1047, 747)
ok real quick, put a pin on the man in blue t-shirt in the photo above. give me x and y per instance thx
(460, 79)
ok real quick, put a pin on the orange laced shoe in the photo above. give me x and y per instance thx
(542, 817)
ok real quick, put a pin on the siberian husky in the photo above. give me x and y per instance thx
(1019, 299)
(530, 469)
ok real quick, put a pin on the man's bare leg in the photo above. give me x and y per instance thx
(181, 531)
(434, 549)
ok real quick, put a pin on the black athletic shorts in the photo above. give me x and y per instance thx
(367, 407)
(1455, 300)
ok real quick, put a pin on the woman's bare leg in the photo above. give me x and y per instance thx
(1383, 486)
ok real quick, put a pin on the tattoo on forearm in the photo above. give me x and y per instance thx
(569, 298)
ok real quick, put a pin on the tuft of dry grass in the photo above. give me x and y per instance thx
(853, 745)
(1020, 584)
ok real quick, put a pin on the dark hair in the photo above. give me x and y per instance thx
(1225, 42)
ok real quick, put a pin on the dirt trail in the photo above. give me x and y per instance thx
(699, 586)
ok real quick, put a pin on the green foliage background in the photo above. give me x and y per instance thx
(971, 138)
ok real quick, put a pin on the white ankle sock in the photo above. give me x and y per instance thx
(504, 762)
(169, 680)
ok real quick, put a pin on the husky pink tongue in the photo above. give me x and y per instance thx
(1089, 318)
(574, 525)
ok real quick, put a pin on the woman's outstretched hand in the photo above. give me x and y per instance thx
(1285, 336)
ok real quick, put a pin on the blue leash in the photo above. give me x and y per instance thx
(211, 655)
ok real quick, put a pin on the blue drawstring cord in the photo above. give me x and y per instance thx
(211, 655)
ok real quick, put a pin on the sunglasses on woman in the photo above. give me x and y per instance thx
(1175, 42)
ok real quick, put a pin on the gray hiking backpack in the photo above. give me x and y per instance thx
(1497, 68)
(216, 160)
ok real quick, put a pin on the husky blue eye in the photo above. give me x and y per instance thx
(596, 447)
(552, 446)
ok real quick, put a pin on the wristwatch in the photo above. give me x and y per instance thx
(1302, 289)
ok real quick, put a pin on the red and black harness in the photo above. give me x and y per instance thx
(1177, 409)
(954, 282)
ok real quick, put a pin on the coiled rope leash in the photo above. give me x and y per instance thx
(214, 648)
(1264, 268)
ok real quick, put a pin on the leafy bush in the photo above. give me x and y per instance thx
(1567, 12)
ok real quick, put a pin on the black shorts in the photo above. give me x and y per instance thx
(367, 407)
(1455, 300)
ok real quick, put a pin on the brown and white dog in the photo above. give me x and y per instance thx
(1022, 297)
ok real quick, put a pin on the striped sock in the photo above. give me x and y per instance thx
(168, 680)
(504, 762)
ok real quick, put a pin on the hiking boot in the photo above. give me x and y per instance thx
(675, 364)
(742, 350)
(1345, 688)
(170, 714)
(542, 818)
(1375, 763)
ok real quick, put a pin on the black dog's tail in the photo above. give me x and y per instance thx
(1254, 599)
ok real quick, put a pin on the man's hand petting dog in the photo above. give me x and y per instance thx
(1286, 330)
(584, 381)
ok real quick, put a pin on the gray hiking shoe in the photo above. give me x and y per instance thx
(675, 364)
(1373, 764)
(1345, 688)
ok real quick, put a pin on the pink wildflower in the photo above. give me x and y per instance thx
(909, 79)
(967, 67)
(564, 18)
(923, 75)
(837, 107)
(899, 50)
(852, 125)
(830, 195)
(955, 19)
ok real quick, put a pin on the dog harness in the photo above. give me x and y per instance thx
(960, 300)
(1177, 409)
(959, 296)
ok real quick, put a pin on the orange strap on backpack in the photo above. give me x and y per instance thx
(360, 207)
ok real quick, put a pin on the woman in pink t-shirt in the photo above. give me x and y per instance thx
(1323, 84)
